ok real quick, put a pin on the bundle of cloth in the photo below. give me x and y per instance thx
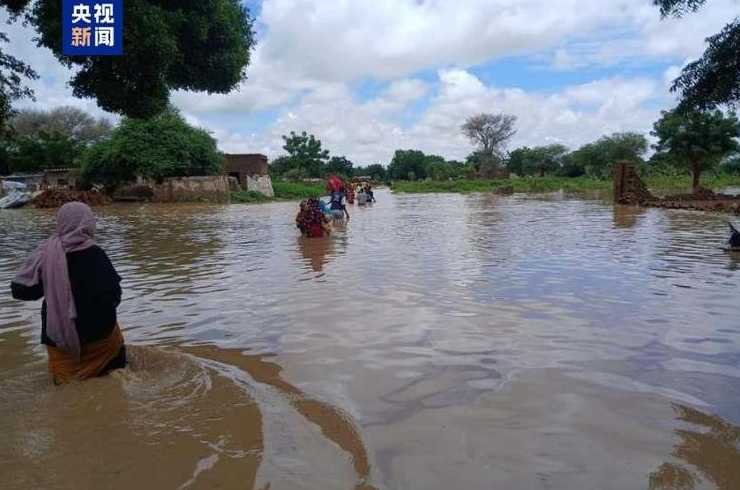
(311, 220)
(337, 198)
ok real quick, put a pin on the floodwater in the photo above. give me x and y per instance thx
(435, 342)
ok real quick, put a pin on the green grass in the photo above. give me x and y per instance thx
(249, 197)
(529, 184)
(682, 183)
(284, 191)
(297, 190)
(553, 184)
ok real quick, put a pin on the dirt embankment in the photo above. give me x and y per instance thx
(629, 189)
(53, 198)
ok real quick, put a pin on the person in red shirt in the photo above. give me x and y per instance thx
(311, 221)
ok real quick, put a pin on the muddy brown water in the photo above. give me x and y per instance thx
(435, 342)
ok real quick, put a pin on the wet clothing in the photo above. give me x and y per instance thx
(337, 201)
(47, 266)
(96, 359)
(96, 290)
(310, 219)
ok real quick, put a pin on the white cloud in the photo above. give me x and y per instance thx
(363, 132)
(312, 52)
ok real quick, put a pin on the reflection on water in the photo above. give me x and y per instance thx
(434, 341)
(316, 251)
(711, 449)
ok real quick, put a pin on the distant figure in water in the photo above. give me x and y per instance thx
(369, 193)
(81, 291)
(311, 220)
(734, 241)
(350, 194)
(361, 196)
(338, 206)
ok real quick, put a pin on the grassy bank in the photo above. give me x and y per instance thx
(553, 184)
(683, 183)
(534, 184)
(284, 191)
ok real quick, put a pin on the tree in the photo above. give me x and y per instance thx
(408, 165)
(570, 167)
(732, 165)
(305, 153)
(12, 73)
(56, 138)
(375, 171)
(159, 147)
(46, 149)
(490, 132)
(598, 158)
(696, 139)
(197, 45)
(539, 160)
(713, 79)
(280, 166)
(66, 121)
(339, 166)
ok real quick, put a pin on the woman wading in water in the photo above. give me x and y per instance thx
(81, 292)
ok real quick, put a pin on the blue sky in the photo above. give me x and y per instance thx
(370, 76)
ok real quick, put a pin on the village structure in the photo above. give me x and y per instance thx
(241, 172)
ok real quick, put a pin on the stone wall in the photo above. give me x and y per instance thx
(213, 188)
(261, 184)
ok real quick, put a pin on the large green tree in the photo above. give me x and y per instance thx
(54, 138)
(375, 171)
(158, 147)
(697, 140)
(598, 158)
(197, 45)
(305, 154)
(45, 149)
(13, 74)
(408, 165)
(539, 160)
(714, 78)
(339, 166)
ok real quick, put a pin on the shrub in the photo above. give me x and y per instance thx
(163, 146)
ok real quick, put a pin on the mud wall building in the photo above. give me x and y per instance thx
(250, 171)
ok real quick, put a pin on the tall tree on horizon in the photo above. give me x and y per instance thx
(490, 132)
(196, 45)
(697, 140)
(713, 79)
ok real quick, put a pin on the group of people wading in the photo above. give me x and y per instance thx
(81, 288)
(315, 215)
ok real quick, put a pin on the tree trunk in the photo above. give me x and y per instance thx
(697, 174)
(542, 171)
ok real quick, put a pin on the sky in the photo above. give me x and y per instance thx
(368, 77)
